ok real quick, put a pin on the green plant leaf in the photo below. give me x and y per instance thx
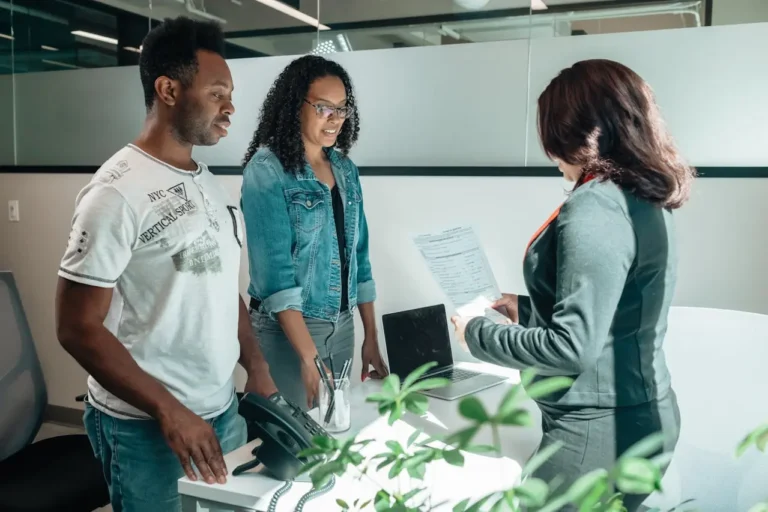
(547, 386)
(396, 448)
(646, 447)
(480, 448)
(382, 501)
(325, 442)
(413, 437)
(313, 452)
(432, 383)
(396, 468)
(321, 475)
(582, 487)
(396, 413)
(509, 402)
(472, 408)
(391, 385)
(342, 504)
(410, 494)
(454, 457)
(540, 458)
(499, 505)
(509, 496)
(555, 504)
(426, 455)
(760, 507)
(463, 437)
(637, 476)
(417, 404)
(527, 376)
(594, 496)
(388, 459)
(306, 468)
(461, 506)
(751, 439)
(417, 373)
(762, 440)
(365, 504)
(479, 503)
(519, 417)
(378, 397)
(532, 492)
(418, 471)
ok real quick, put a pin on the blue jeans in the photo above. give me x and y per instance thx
(139, 467)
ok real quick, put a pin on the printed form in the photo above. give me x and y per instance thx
(461, 269)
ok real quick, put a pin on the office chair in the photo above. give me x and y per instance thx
(60, 473)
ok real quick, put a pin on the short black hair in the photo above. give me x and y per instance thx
(170, 49)
(280, 117)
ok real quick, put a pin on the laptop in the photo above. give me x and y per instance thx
(418, 336)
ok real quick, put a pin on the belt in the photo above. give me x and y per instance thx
(254, 304)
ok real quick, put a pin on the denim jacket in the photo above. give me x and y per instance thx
(293, 252)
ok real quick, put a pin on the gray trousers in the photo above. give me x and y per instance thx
(335, 344)
(595, 438)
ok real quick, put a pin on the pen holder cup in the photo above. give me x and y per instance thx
(339, 420)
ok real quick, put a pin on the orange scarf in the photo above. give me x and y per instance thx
(584, 179)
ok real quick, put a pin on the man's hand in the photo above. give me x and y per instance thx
(507, 306)
(192, 439)
(260, 382)
(372, 357)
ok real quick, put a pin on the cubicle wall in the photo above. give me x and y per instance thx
(462, 106)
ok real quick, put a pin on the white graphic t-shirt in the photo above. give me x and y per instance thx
(168, 241)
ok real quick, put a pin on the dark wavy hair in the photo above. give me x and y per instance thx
(603, 116)
(280, 117)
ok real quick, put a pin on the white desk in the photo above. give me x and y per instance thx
(480, 475)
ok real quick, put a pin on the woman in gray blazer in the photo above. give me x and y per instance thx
(600, 274)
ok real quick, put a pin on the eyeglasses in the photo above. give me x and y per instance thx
(326, 111)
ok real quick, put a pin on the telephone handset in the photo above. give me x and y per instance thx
(284, 430)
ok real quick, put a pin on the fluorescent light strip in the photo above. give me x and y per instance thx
(538, 5)
(61, 64)
(49, 48)
(132, 49)
(290, 11)
(6, 36)
(95, 37)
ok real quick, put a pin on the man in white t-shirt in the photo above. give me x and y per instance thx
(148, 298)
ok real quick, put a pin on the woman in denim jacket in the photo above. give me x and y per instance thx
(306, 230)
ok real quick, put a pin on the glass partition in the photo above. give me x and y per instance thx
(7, 124)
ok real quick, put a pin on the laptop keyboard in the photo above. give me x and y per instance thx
(455, 375)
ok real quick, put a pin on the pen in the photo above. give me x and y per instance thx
(331, 397)
(345, 369)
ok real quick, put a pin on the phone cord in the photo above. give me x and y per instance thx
(314, 493)
(278, 494)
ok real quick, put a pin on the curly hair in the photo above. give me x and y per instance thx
(601, 115)
(170, 49)
(280, 117)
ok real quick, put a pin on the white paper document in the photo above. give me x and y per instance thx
(461, 269)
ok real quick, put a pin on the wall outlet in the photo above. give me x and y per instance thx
(13, 210)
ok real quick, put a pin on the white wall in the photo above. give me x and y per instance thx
(728, 12)
(451, 105)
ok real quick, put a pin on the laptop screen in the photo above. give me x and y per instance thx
(416, 337)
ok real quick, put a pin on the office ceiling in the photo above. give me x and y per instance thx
(46, 31)
(245, 15)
